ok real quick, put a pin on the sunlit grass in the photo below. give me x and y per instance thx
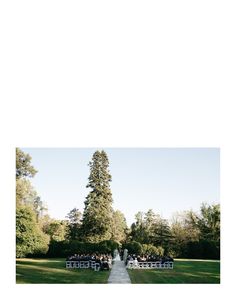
(53, 271)
(185, 271)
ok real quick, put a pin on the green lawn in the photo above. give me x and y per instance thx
(53, 271)
(186, 271)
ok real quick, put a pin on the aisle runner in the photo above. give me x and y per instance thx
(119, 274)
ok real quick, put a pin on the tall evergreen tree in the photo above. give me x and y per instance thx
(97, 216)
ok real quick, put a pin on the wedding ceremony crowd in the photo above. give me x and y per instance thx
(148, 258)
(103, 260)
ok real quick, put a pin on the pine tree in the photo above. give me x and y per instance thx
(97, 216)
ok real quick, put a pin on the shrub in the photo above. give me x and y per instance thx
(133, 247)
(107, 246)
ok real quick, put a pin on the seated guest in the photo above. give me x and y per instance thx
(143, 258)
(139, 258)
(98, 260)
(135, 262)
(69, 258)
(104, 263)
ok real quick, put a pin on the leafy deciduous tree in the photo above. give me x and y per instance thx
(29, 237)
(74, 224)
(119, 227)
(23, 165)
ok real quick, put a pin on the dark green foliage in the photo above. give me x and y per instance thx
(209, 222)
(150, 228)
(29, 237)
(66, 248)
(202, 249)
(58, 249)
(97, 216)
(133, 247)
(197, 235)
(107, 246)
(162, 235)
(190, 235)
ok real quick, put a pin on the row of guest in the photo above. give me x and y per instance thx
(149, 258)
(104, 260)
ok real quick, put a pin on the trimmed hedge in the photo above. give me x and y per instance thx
(203, 249)
(133, 247)
(66, 248)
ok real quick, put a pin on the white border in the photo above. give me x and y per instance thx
(121, 74)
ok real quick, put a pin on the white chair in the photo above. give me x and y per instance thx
(68, 264)
(97, 267)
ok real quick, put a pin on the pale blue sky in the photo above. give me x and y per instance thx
(164, 179)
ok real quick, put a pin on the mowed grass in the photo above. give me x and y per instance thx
(53, 271)
(186, 271)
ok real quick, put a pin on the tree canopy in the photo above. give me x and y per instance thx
(23, 165)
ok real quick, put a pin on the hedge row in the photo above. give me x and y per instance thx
(202, 249)
(66, 248)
